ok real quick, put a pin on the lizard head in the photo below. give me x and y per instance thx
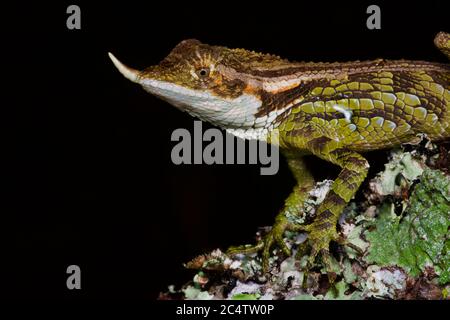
(209, 82)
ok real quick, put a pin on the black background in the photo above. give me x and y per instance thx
(91, 181)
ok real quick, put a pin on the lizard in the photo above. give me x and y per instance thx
(335, 111)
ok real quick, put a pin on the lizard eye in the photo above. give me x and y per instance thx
(203, 72)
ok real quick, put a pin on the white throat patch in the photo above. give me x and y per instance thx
(236, 115)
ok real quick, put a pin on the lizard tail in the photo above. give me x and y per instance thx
(442, 42)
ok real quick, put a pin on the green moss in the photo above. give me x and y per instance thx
(419, 238)
(245, 296)
(339, 293)
(348, 273)
(192, 293)
(304, 297)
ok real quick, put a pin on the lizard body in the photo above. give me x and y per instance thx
(335, 111)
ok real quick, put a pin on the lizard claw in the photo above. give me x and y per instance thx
(344, 242)
(319, 237)
(274, 236)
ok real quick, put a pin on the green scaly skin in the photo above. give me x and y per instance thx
(317, 136)
(335, 111)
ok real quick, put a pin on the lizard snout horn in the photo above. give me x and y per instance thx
(129, 73)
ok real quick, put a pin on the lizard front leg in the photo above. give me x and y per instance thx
(292, 206)
(354, 170)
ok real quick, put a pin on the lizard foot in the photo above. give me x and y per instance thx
(274, 236)
(320, 234)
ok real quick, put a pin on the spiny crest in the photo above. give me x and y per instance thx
(252, 59)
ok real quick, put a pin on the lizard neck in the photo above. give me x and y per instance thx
(282, 87)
